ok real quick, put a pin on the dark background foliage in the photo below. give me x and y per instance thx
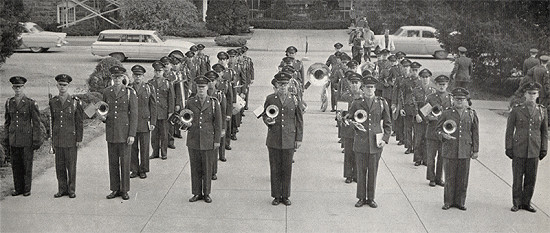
(227, 17)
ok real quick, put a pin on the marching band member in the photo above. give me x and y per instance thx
(297, 64)
(203, 60)
(409, 106)
(458, 147)
(350, 87)
(164, 92)
(217, 90)
(335, 65)
(230, 75)
(370, 137)
(397, 103)
(285, 131)
(67, 133)
(382, 71)
(248, 68)
(421, 90)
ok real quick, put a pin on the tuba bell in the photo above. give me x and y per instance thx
(449, 126)
(436, 110)
(186, 116)
(176, 120)
(272, 111)
(360, 116)
(102, 108)
(318, 74)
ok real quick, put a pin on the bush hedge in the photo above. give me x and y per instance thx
(230, 41)
(288, 24)
(101, 77)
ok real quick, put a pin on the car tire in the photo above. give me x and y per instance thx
(441, 54)
(118, 56)
(176, 53)
(36, 49)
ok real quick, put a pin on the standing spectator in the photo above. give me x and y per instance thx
(386, 42)
(462, 70)
(531, 61)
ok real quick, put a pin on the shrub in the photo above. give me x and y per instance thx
(101, 77)
(286, 24)
(227, 17)
(9, 31)
(279, 10)
(230, 41)
(318, 10)
(193, 30)
(87, 28)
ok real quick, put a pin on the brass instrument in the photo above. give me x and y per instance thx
(102, 108)
(186, 116)
(181, 119)
(272, 111)
(360, 116)
(436, 110)
(449, 126)
(318, 74)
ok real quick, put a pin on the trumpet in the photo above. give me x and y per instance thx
(102, 108)
(449, 126)
(436, 110)
(360, 116)
(272, 111)
(318, 74)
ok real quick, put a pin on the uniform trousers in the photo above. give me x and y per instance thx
(119, 166)
(399, 128)
(367, 169)
(434, 172)
(171, 133)
(456, 181)
(524, 171)
(420, 142)
(349, 159)
(140, 153)
(246, 87)
(159, 139)
(65, 169)
(280, 164)
(408, 131)
(201, 170)
(21, 165)
(228, 132)
(333, 95)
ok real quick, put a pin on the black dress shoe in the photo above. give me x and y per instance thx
(348, 180)
(223, 159)
(408, 151)
(333, 110)
(461, 207)
(446, 207)
(26, 194)
(276, 201)
(440, 183)
(525, 207)
(228, 147)
(113, 195)
(372, 203)
(360, 203)
(339, 140)
(432, 184)
(171, 146)
(286, 201)
(234, 137)
(153, 157)
(207, 199)
(133, 175)
(59, 194)
(142, 175)
(195, 198)
(514, 208)
(72, 195)
(164, 157)
(400, 143)
(246, 108)
(214, 177)
(416, 164)
(393, 134)
(178, 136)
(125, 196)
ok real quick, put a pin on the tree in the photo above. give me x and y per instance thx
(319, 10)
(279, 10)
(227, 17)
(9, 33)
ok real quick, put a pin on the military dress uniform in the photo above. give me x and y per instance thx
(420, 94)
(165, 106)
(121, 122)
(219, 95)
(462, 70)
(434, 160)
(248, 66)
(204, 132)
(147, 116)
(367, 152)
(297, 64)
(411, 109)
(399, 74)
(282, 136)
(457, 152)
(540, 74)
(22, 136)
(347, 133)
(382, 70)
(203, 61)
(531, 61)
(335, 65)
(526, 144)
(67, 129)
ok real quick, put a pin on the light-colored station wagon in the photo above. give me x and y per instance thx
(137, 44)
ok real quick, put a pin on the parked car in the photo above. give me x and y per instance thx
(38, 40)
(137, 44)
(417, 40)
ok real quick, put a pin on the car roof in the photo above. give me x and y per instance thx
(425, 28)
(123, 31)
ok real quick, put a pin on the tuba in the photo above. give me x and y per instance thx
(360, 116)
(449, 126)
(272, 111)
(318, 74)
(186, 116)
(436, 110)
(102, 108)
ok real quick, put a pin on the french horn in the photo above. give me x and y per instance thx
(272, 111)
(318, 74)
(436, 111)
(449, 126)
(360, 116)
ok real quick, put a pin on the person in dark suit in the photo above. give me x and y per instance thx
(531, 61)
(164, 92)
(22, 135)
(434, 161)
(226, 76)
(410, 107)
(147, 119)
(284, 135)
(400, 73)
(67, 133)
(420, 93)
(203, 137)
(203, 60)
(458, 147)
(462, 70)
(526, 144)
(335, 65)
(216, 89)
(120, 129)
(370, 137)
(350, 87)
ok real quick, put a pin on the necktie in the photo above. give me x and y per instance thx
(387, 40)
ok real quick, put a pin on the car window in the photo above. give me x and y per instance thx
(159, 36)
(131, 38)
(109, 37)
(35, 29)
(428, 34)
(398, 32)
(149, 39)
(413, 33)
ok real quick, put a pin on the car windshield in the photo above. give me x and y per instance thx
(160, 37)
(398, 32)
(35, 28)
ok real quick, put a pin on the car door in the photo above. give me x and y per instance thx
(106, 44)
(408, 41)
(430, 42)
(130, 44)
(151, 48)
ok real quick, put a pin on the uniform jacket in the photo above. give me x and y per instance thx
(204, 63)
(147, 106)
(436, 99)
(229, 76)
(289, 124)
(404, 94)
(122, 118)
(299, 67)
(347, 130)
(22, 125)
(466, 134)
(165, 97)
(420, 95)
(67, 117)
(397, 74)
(529, 63)
(378, 121)
(344, 92)
(383, 71)
(463, 69)
(222, 101)
(206, 125)
(541, 75)
(527, 133)
(248, 69)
